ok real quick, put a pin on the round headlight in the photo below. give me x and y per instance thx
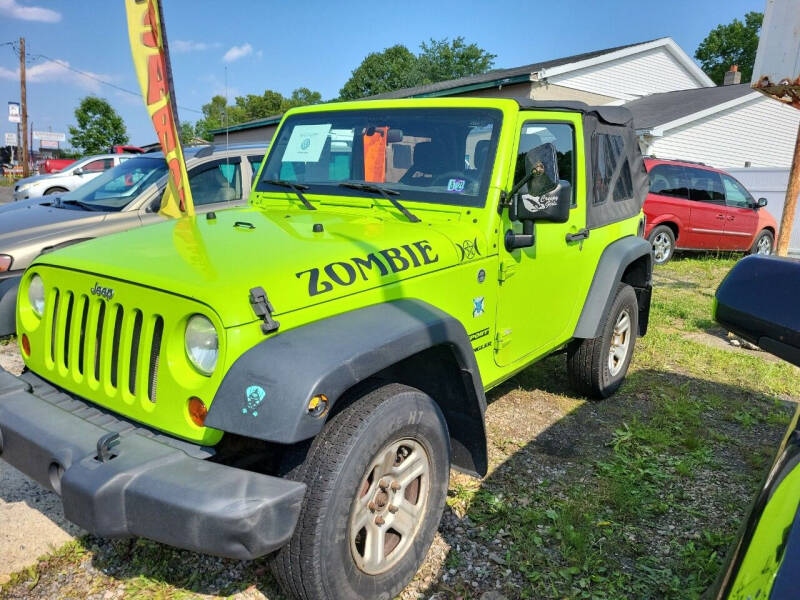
(36, 295)
(202, 344)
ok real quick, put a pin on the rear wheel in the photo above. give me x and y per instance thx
(597, 367)
(764, 243)
(55, 190)
(662, 239)
(377, 478)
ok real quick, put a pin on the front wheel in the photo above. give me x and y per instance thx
(55, 190)
(662, 239)
(764, 243)
(377, 479)
(596, 367)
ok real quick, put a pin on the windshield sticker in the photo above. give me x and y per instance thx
(456, 185)
(306, 143)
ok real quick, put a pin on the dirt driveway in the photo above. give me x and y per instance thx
(31, 520)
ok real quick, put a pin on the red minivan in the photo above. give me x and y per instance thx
(694, 207)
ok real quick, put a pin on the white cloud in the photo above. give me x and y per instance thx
(191, 46)
(14, 10)
(237, 52)
(56, 71)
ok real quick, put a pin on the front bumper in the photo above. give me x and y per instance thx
(155, 487)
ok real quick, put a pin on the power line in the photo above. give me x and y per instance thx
(33, 57)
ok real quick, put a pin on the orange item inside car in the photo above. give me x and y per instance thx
(375, 155)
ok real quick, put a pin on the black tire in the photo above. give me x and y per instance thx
(762, 239)
(55, 190)
(665, 238)
(589, 361)
(317, 563)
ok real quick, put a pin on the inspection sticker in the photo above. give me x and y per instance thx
(456, 185)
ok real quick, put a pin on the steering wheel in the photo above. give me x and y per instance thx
(444, 179)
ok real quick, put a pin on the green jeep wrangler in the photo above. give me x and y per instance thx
(296, 378)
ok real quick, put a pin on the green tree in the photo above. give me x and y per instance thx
(218, 113)
(187, 133)
(380, 72)
(99, 127)
(733, 44)
(396, 67)
(441, 60)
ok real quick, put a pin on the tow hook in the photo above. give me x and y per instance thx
(105, 446)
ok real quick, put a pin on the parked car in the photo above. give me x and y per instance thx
(122, 198)
(76, 175)
(692, 206)
(757, 300)
(54, 165)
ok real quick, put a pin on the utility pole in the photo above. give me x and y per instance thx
(790, 204)
(24, 102)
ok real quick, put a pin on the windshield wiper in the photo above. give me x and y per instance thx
(386, 193)
(83, 205)
(297, 188)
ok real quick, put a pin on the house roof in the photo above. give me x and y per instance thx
(670, 109)
(522, 74)
(496, 76)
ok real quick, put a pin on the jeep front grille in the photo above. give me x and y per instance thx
(105, 344)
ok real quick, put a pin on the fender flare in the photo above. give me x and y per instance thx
(8, 305)
(611, 267)
(332, 355)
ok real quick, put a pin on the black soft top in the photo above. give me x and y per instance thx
(607, 199)
(610, 115)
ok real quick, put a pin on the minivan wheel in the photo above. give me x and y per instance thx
(764, 243)
(377, 478)
(597, 367)
(662, 239)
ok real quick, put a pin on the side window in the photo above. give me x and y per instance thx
(561, 135)
(735, 194)
(705, 186)
(216, 182)
(98, 166)
(668, 180)
(255, 165)
(612, 173)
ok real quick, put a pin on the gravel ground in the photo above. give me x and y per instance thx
(31, 520)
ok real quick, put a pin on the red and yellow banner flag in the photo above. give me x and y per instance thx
(151, 60)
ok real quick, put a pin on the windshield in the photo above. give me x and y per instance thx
(118, 187)
(441, 155)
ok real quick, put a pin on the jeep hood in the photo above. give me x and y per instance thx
(219, 261)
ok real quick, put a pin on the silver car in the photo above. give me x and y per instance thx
(69, 178)
(125, 197)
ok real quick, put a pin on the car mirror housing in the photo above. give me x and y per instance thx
(78, 171)
(761, 202)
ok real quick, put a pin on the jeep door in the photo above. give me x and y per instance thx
(741, 218)
(707, 213)
(537, 297)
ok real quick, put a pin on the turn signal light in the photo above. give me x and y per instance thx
(26, 345)
(318, 405)
(197, 411)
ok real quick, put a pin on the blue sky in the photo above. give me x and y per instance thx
(316, 44)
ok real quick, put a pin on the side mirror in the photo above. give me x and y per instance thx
(761, 202)
(757, 301)
(78, 171)
(539, 196)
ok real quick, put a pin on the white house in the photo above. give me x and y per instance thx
(726, 126)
